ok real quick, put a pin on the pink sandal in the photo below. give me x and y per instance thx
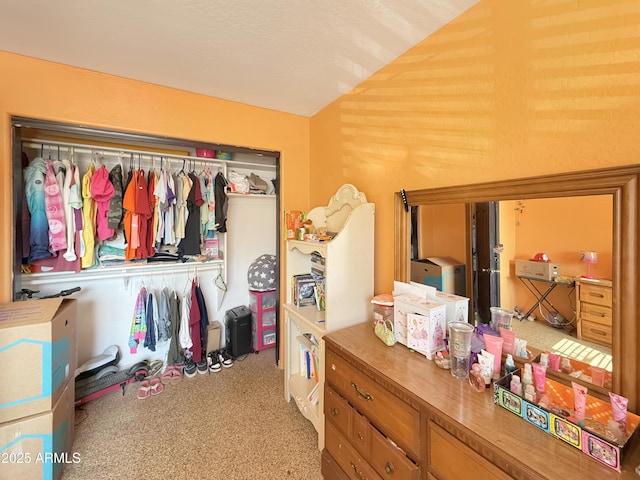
(156, 386)
(143, 391)
(171, 375)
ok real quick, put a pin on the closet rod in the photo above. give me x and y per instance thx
(38, 143)
(113, 272)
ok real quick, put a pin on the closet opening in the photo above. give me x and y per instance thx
(220, 257)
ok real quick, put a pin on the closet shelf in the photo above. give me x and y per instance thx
(128, 271)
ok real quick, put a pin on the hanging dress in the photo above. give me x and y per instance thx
(88, 219)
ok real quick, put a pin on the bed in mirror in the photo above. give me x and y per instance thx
(595, 210)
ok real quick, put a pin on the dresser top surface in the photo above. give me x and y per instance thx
(471, 412)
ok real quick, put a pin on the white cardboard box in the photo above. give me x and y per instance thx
(457, 306)
(416, 322)
(37, 353)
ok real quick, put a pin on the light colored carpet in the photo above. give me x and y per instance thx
(231, 425)
(558, 340)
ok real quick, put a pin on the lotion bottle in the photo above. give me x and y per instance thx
(527, 376)
(516, 386)
(509, 365)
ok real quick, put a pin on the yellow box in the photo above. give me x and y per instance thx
(37, 353)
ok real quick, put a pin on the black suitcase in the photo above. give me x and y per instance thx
(238, 331)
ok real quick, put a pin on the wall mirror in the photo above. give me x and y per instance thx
(620, 184)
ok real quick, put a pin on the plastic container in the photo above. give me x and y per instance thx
(500, 318)
(382, 308)
(205, 153)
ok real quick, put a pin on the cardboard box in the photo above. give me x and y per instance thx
(539, 270)
(444, 273)
(410, 330)
(213, 336)
(457, 307)
(38, 446)
(38, 355)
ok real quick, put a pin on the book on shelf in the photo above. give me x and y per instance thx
(314, 394)
(309, 362)
(319, 292)
(303, 290)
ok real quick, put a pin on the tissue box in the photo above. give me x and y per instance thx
(590, 438)
(417, 321)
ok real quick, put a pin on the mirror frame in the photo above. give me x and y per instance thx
(620, 182)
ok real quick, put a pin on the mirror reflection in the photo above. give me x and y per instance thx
(531, 256)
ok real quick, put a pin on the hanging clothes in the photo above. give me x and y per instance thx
(152, 222)
(185, 331)
(75, 210)
(221, 202)
(55, 210)
(151, 320)
(89, 209)
(101, 191)
(175, 356)
(115, 214)
(69, 215)
(194, 325)
(143, 210)
(131, 231)
(138, 321)
(204, 317)
(34, 177)
(190, 243)
(164, 317)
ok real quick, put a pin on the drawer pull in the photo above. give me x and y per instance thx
(595, 294)
(595, 313)
(389, 468)
(598, 332)
(359, 475)
(334, 411)
(363, 395)
(360, 436)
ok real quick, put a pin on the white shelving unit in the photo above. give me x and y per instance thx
(349, 287)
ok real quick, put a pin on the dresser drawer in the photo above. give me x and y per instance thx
(389, 461)
(394, 417)
(596, 332)
(596, 313)
(450, 459)
(353, 464)
(337, 411)
(596, 294)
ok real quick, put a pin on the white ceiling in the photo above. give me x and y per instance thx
(293, 56)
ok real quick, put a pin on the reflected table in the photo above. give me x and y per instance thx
(541, 293)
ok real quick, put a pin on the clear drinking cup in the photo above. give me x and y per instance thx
(460, 348)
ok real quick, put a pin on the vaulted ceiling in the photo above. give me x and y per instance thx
(292, 56)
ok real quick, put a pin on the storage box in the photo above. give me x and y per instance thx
(213, 336)
(37, 353)
(259, 301)
(457, 307)
(538, 270)
(410, 330)
(589, 438)
(38, 446)
(444, 273)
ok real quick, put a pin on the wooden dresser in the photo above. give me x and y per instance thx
(593, 310)
(391, 413)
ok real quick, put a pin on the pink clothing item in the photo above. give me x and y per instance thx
(55, 210)
(101, 191)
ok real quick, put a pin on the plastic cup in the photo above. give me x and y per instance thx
(460, 348)
(500, 318)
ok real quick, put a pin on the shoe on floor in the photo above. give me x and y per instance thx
(202, 367)
(225, 359)
(190, 368)
(214, 363)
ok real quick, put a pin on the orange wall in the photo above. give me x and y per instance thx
(49, 91)
(506, 90)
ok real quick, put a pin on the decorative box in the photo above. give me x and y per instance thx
(590, 438)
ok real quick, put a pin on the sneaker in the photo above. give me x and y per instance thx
(214, 363)
(202, 367)
(225, 359)
(189, 368)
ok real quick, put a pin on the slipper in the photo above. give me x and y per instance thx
(143, 391)
(154, 368)
(156, 386)
(171, 375)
